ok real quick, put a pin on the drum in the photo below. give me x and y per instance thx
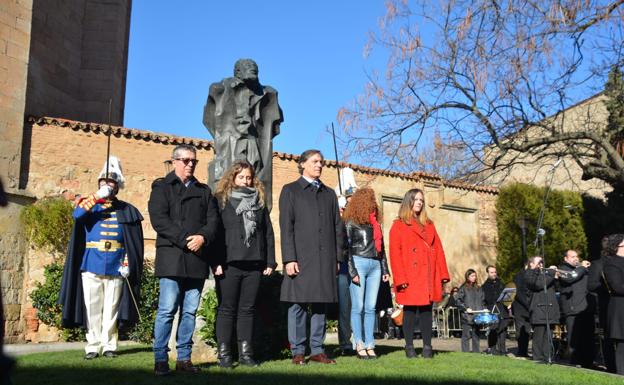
(486, 319)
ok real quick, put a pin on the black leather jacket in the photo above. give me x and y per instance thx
(362, 244)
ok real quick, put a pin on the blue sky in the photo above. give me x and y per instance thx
(311, 52)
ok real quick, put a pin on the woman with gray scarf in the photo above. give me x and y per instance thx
(248, 252)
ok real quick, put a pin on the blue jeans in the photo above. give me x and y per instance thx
(364, 299)
(176, 293)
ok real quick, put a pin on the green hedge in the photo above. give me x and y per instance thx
(48, 224)
(563, 222)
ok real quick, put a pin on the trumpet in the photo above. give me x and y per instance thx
(562, 273)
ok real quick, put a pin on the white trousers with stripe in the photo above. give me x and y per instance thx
(101, 297)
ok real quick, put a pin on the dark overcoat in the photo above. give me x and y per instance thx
(311, 234)
(614, 273)
(544, 305)
(574, 296)
(469, 297)
(522, 300)
(262, 244)
(71, 297)
(176, 212)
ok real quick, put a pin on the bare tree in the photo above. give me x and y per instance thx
(494, 78)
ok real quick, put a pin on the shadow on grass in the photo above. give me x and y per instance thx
(108, 376)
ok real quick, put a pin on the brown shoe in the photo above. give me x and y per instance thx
(186, 367)
(321, 358)
(161, 368)
(298, 359)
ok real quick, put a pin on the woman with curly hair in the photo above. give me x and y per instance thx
(418, 268)
(614, 274)
(367, 267)
(249, 252)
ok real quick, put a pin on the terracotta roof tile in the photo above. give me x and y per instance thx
(207, 144)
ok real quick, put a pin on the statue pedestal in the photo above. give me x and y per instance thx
(202, 353)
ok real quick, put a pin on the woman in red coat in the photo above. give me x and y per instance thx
(418, 267)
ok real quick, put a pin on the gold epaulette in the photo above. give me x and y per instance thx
(87, 202)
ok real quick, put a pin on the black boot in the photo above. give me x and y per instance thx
(225, 356)
(245, 354)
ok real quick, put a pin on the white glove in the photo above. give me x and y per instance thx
(104, 192)
(124, 271)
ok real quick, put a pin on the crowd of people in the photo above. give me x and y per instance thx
(329, 253)
(571, 295)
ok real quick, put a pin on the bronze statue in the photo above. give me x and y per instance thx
(243, 117)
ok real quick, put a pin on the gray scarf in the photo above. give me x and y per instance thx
(246, 202)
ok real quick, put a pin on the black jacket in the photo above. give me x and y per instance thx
(262, 246)
(544, 306)
(614, 272)
(492, 289)
(469, 297)
(361, 243)
(312, 236)
(573, 292)
(522, 302)
(176, 212)
(71, 297)
(597, 284)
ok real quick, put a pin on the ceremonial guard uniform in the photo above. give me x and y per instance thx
(106, 246)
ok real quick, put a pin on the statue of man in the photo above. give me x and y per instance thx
(243, 117)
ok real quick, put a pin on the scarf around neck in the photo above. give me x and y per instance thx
(246, 202)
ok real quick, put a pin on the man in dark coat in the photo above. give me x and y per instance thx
(520, 309)
(311, 239)
(544, 308)
(185, 216)
(597, 284)
(105, 247)
(614, 274)
(577, 307)
(492, 289)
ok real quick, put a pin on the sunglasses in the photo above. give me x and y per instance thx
(186, 161)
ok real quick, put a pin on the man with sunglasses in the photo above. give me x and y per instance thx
(184, 214)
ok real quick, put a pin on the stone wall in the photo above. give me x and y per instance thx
(66, 157)
(78, 59)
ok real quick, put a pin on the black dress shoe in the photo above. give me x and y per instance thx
(427, 352)
(109, 354)
(161, 368)
(410, 352)
(90, 355)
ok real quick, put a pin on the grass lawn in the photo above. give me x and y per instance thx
(134, 366)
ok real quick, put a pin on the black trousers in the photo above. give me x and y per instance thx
(542, 348)
(498, 335)
(523, 334)
(424, 316)
(470, 332)
(580, 337)
(237, 289)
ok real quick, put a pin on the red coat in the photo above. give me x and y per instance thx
(417, 258)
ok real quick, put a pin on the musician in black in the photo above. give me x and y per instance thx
(520, 309)
(544, 308)
(577, 307)
(492, 289)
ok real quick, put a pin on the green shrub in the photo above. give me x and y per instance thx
(143, 331)
(45, 297)
(48, 224)
(270, 339)
(563, 222)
